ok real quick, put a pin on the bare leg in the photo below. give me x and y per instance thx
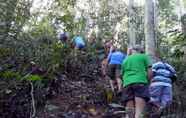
(140, 105)
(75, 52)
(130, 108)
(112, 85)
(119, 84)
(103, 67)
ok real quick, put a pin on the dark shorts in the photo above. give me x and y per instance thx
(114, 71)
(136, 90)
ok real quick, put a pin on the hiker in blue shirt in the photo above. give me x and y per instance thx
(78, 42)
(108, 46)
(115, 59)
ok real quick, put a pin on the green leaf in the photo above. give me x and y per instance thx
(33, 78)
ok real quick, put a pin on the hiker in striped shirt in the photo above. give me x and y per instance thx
(161, 84)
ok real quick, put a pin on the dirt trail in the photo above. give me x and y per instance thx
(77, 99)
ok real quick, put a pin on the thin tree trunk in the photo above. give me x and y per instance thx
(132, 32)
(182, 16)
(149, 28)
(181, 9)
(156, 20)
(183, 24)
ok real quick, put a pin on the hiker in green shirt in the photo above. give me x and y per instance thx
(135, 80)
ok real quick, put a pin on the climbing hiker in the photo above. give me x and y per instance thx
(78, 42)
(114, 60)
(92, 41)
(63, 37)
(136, 72)
(161, 86)
(107, 48)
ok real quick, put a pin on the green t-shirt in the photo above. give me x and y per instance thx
(134, 69)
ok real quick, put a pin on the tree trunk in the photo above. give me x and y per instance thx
(149, 28)
(182, 16)
(156, 21)
(181, 10)
(183, 24)
(132, 32)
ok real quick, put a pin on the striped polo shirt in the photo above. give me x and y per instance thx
(162, 73)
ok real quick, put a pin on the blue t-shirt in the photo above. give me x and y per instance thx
(79, 41)
(116, 57)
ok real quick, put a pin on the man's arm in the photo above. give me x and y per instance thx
(149, 67)
(149, 74)
(104, 66)
(109, 57)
